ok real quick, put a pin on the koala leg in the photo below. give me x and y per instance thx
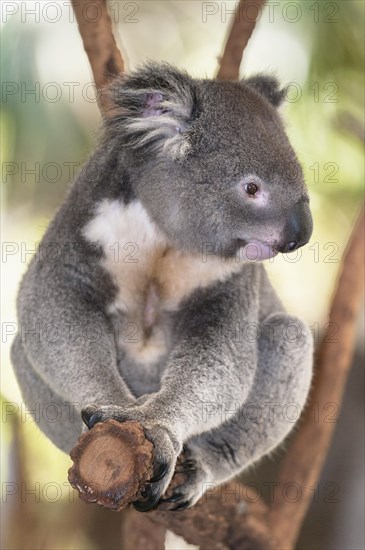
(59, 421)
(273, 405)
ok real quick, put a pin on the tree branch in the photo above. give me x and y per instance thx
(239, 34)
(305, 458)
(111, 464)
(222, 520)
(96, 31)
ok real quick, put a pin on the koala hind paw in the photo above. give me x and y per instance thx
(191, 489)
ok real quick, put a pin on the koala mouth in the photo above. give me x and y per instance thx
(256, 250)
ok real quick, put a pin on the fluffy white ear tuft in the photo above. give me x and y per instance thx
(154, 108)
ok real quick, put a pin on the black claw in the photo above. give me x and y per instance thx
(185, 470)
(159, 473)
(189, 462)
(146, 506)
(173, 498)
(184, 467)
(95, 418)
(187, 466)
(90, 417)
(85, 417)
(181, 506)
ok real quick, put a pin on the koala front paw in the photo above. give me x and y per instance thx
(92, 414)
(166, 451)
(166, 447)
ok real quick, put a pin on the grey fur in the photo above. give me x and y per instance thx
(184, 149)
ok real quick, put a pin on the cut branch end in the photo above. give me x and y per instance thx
(112, 463)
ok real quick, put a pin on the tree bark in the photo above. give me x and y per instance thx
(96, 31)
(112, 463)
(242, 27)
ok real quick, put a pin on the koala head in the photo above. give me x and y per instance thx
(210, 161)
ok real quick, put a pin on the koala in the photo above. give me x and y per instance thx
(148, 299)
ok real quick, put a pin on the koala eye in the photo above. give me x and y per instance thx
(251, 188)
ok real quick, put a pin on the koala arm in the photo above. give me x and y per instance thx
(273, 406)
(67, 338)
(211, 371)
(212, 366)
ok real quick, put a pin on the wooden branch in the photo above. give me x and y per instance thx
(305, 458)
(96, 31)
(347, 122)
(229, 518)
(239, 34)
(112, 463)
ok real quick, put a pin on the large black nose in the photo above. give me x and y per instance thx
(298, 229)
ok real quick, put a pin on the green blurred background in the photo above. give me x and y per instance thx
(49, 123)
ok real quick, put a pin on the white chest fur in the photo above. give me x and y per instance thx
(151, 276)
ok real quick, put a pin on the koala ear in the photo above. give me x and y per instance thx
(153, 108)
(267, 86)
